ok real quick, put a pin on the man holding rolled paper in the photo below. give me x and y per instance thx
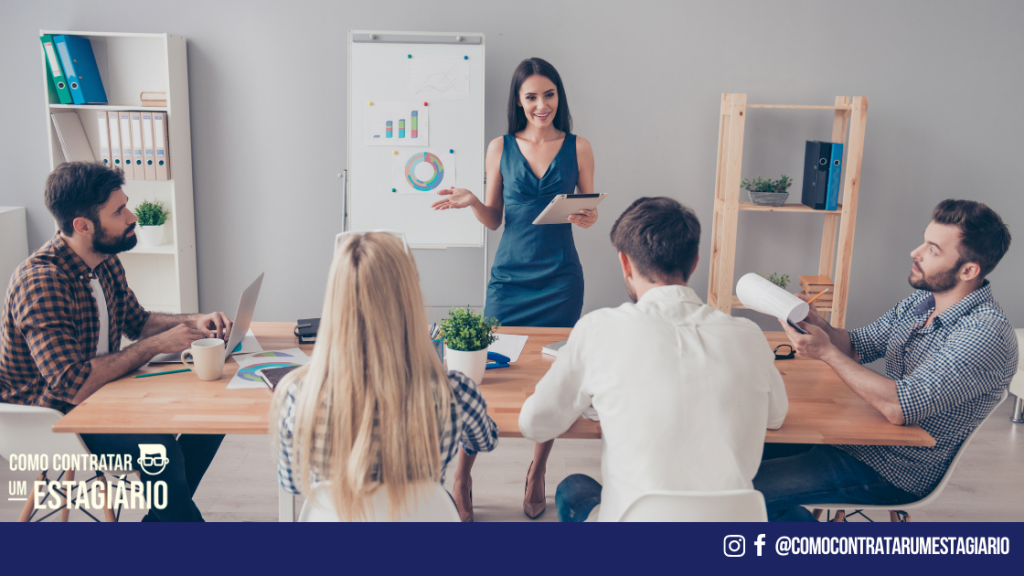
(950, 353)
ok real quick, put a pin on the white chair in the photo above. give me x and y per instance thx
(722, 506)
(900, 514)
(27, 430)
(1017, 385)
(433, 504)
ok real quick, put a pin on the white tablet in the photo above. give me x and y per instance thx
(564, 205)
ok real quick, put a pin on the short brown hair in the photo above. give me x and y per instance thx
(984, 239)
(660, 236)
(78, 189)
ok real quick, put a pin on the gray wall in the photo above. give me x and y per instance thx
(644, 80)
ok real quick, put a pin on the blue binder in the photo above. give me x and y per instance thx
(834, 171)
(80, 68)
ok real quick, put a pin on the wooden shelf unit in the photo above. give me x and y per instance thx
(163, 278)
(849, 119)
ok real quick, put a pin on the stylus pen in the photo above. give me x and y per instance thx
(162, 373)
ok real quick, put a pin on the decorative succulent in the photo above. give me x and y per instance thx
(759, 184)
(467, 331)
(779, 280)
(151, 213)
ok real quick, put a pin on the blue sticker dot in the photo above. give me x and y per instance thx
(465, 57)
(451, 151)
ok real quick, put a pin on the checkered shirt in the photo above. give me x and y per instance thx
(470, 426)
(51, 324)
(949, 376)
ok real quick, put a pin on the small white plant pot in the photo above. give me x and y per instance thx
(472, 364)
(150, 236)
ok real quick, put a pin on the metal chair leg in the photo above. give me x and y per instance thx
(1018, 411)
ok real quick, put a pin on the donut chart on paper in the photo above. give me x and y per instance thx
(249, 372)
(415, 173)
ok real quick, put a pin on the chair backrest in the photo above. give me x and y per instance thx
(1017, 384)
(956, 458)
(28, 430)
(433, 504)
(722, 506)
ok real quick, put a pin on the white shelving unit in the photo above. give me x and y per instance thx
(163, 278)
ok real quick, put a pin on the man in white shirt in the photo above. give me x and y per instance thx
(684, 392)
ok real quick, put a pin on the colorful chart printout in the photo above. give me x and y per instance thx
(423, 171)
(397, 124)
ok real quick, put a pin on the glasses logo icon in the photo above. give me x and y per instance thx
(735, 546)
(153, 458)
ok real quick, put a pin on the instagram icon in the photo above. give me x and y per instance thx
(734, 546)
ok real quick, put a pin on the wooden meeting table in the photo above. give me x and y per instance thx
(822, 409)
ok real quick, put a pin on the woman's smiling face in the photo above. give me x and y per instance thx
(539, 98)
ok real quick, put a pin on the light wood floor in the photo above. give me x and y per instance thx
(241, 484)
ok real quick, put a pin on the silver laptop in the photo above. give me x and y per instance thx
(243, 316)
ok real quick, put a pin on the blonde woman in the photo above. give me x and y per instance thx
(374, 408)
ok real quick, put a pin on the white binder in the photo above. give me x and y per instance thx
(73, 142)
(115, 140)
(101, 119)
(148, 158)
(163, 161)
(124, 118)
(137, 156)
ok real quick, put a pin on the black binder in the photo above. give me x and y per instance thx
(817, 157)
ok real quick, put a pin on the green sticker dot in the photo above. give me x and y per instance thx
(410, 55)
(393, 190)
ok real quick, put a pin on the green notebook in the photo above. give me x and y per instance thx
(58, 82)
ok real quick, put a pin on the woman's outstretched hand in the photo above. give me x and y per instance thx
(454, 198)
(584, 220)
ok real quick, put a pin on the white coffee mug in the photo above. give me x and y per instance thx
(207, 357)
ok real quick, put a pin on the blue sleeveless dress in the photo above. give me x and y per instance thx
(536, 278)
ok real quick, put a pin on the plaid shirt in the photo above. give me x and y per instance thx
(470, 425)
(51, 324)
(949, 376)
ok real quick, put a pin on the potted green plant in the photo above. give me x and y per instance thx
(775, 278)
(466, 338)
(768, 192)
(152, 216)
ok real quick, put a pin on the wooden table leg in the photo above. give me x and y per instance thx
(66, 512)
(26, 512)
(285, 505)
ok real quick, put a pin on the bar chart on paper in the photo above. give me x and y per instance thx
(397, 124)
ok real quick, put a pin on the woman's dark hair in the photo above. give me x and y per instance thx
(516, 115)
(78, 189)
(660, 236)
(983, 236)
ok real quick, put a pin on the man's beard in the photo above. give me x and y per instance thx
(631, 292)
(104, 243)
(940, 282)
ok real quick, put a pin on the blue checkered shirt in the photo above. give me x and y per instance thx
(470, 426)
(949, 376)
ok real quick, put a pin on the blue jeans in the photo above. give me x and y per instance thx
(188, 457)
(792, 475)
(575, 497)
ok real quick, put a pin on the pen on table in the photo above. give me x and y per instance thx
(818, 295)
(161, 373)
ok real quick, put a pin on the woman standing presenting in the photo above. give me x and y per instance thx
(536, 278)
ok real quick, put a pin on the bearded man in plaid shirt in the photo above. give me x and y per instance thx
(950, 353)
(67, 308)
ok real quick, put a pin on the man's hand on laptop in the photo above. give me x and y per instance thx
(215, 325)
(176, 339)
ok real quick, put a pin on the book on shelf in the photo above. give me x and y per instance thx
(74, 145)
(150, 99)
(79, 65)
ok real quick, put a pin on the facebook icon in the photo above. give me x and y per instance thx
(759, 543)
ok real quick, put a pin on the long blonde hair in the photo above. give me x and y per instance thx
(375, 386)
